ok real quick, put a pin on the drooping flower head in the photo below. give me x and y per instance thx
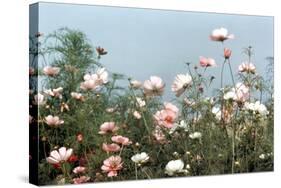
(154, 86)
(112, 165)
(220, 35)
(181, 83)
(59, 156)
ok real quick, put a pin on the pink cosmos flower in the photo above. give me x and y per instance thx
(181, 83)
(108, 127)
(206, 62)
(54, 92)
(53, 121)
(90, 82)
(154, 86)
(81, 179)
(79, 170)
(51, 71)
(112, 165)
(220, 35)
(110, 147)
(121, 140)
(167, 117)
(59, 156)
(247, 67)
(227, 53)
(77, 96)
(135, 84)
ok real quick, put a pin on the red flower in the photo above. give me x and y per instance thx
(72, 158)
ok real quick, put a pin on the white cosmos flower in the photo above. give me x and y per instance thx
(154, 86)
(181, 83)
(59, 156)
(39, 99)
(135, 84)
(53, 121)
(195, 135)
(256, 107)
(182, 125)
(221, 34)
(102, 76)
(140, 158)
(217, 112)
(137, 115)
(262, 156)
(174, 166)
(140, 102)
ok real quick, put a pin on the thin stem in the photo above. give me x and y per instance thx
(136, 171)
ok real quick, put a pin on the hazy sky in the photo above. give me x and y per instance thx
(145, 42)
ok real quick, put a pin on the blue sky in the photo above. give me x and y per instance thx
(145, 42)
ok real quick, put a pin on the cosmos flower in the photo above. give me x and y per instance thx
(51, 71)
(110, 147)
(256, 107)
(81, 179)
(77, 96)
(53, 121)
(100, 51)
(239, 94)
(140, 158)
(135, 84)
(59, 156)
(181, 83)
(206, 62)
(159, 135)
(79, 170)
(227, 53)
(108, 127)
(140, 102)
(174, 167)
(167, 117)
(39, 99)
(195, 135)
(121, 140)
(154, 86)
(112, 165)
(137, 115)
(101, 76)
(54, 92)
(247, 67)
(220, 35)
